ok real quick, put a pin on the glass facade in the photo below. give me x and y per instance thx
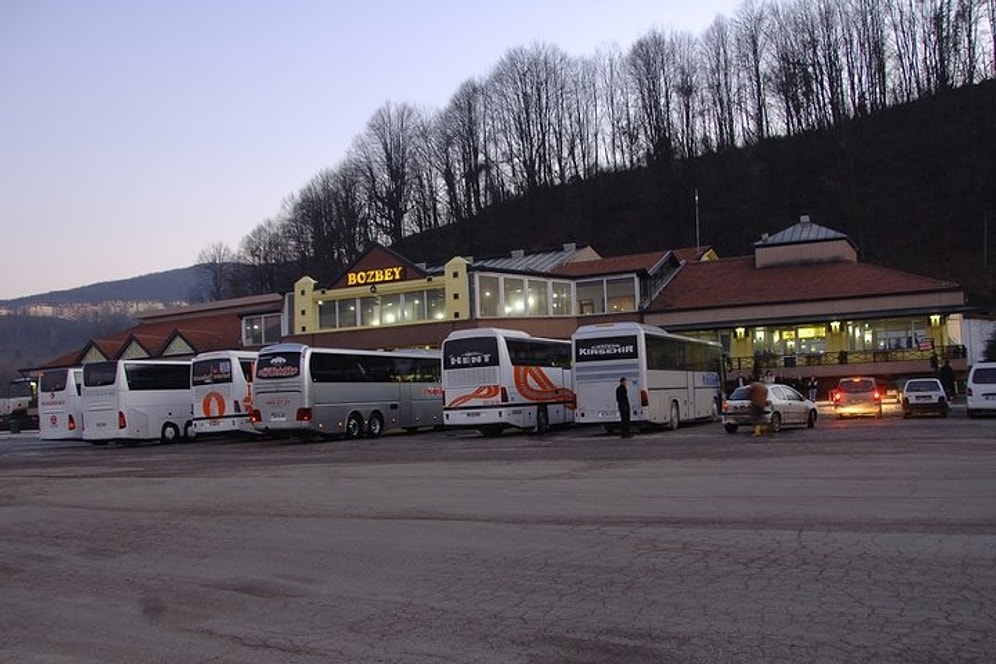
(379, 310)
(510, 296)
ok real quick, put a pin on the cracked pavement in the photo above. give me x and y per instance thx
(870, 542)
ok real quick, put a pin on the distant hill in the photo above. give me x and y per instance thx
(184, 284)
(27, 341)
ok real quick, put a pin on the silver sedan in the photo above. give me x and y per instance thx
(786, 407)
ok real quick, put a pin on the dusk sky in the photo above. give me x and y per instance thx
(135, 134)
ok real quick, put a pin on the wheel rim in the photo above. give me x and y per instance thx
(353, 426)
(375, 426)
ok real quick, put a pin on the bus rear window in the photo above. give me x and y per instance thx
(278, 365)
(54, 381)
(99, 374)
(210, 372)
(473, 352)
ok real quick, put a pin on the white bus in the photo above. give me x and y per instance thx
(60, 404)
(672, 379)
(135, 400)
(495, 378)
(334, 391)
(221, 382)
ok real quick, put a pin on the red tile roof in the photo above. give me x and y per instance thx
(736, 282)
(218, 332)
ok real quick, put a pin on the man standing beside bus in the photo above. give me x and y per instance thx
(622, 401)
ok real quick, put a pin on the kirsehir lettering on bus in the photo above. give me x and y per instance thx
(495, 378)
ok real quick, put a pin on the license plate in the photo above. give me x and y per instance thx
(923, 398)
(473, 414)
(278, 417)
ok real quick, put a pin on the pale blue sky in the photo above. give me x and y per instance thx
(135, 133)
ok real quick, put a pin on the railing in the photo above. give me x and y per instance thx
(763, 361)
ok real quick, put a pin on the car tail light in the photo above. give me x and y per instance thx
(835, 395)
(726, 406)
(644, 399)
(122, 422)
(303, 414)
(876, 396)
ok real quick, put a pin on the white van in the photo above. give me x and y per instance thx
(980, 389)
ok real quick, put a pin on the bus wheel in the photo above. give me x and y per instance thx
(542, 420)
(354, 426)
(375, 425)
(672, 422)
(188, 431)
(169, 434)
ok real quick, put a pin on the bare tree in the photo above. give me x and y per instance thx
(527, 86)
(217, 261)
(387, 155)
(651, 68)
(460, 151)
(751, 32)
(720, 86)
(621, 134)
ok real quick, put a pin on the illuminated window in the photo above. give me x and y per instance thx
(261, 330)
(561, 303)
(515, 297)
(488, 296)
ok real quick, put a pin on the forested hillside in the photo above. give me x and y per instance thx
(874, 117)
(912, 185)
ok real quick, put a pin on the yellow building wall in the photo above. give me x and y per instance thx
(457, 289)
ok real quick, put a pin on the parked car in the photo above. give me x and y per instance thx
(925, 395)
(892, 392)
(787, 407)
(980, 389)
(859, 395)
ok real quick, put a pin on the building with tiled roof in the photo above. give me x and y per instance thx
(801, 304)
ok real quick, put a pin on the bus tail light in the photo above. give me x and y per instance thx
(255, 416)
(504, 394)
(71, 423)
(122, 422)
(644, 399)
(303, 414)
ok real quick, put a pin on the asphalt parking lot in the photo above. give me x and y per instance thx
(857, 541)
